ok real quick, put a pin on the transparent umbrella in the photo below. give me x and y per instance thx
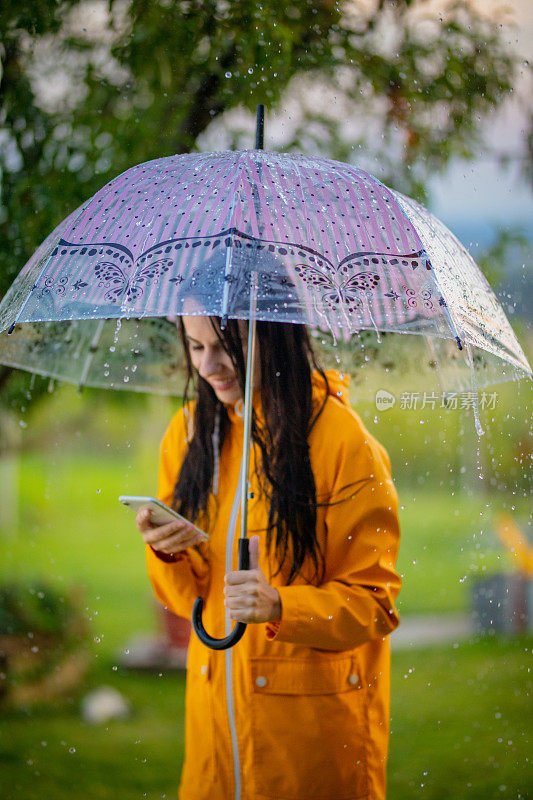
(251, 235)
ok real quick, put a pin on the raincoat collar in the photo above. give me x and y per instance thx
(338, 384)
(236, 410)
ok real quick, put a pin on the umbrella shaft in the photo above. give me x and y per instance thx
(260, 128)
(248, 395)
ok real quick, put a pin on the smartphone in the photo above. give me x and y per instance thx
(161, 514)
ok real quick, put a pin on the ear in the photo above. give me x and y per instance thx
(254, 552)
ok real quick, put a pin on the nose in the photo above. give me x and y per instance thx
(210, 363)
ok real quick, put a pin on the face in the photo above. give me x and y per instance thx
(211, 360)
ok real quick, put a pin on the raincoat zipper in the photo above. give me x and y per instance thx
(230, 540)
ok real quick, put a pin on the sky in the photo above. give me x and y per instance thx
(480, 194)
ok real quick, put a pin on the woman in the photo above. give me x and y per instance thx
(299, 708)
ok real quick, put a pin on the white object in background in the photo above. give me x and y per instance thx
(103, 704)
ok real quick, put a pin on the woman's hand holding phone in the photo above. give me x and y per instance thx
(172, 537)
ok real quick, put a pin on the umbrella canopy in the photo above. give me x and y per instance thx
(248, 235)
(330, 245)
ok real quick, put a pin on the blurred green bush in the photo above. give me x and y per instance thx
(42, 640)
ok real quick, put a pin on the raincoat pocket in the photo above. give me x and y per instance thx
(310, 728)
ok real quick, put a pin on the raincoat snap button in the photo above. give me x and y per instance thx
(353, 679)
(261, 681)
(203, 669)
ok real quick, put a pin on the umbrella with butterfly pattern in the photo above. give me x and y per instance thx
(329, 244)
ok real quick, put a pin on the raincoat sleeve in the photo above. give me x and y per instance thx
(355, 602)
(177, 580)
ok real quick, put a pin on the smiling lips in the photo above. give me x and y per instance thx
(223, 387)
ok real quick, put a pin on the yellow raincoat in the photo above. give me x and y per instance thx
(297, 710)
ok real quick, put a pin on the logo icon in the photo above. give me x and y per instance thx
(384, 400)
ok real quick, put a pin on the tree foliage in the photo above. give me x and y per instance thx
(89, 88)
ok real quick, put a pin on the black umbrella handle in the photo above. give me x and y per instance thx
(238, 631)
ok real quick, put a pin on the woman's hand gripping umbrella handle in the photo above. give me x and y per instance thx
(240, 627)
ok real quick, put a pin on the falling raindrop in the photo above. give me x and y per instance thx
(117, 331)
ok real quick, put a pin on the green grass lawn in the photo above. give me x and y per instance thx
(448, 542)
(49, 752)
(73, 532)
(460, 725)
(460, 729)
(461, 722)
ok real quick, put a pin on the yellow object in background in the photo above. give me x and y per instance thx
(516, 541)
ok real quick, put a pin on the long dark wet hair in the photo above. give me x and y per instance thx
(286, 359)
